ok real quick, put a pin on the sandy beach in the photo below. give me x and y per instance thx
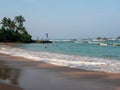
(25, 74)
(60, 45)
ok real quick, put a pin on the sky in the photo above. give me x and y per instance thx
(66, 19)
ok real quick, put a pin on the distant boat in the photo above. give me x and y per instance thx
(80, 41)
(116, 44)
(95, 41)
(103, 44)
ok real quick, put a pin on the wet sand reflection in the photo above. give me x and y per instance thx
(8, 75)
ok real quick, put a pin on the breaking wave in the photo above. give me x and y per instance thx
(71, 61)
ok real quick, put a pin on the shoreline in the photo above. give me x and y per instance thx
(86, 63)
(77, 77)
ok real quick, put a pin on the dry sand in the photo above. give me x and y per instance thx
(42, 76)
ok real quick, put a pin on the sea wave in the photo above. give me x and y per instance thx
(71, 61)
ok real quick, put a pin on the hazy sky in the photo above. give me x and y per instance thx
(66, 18)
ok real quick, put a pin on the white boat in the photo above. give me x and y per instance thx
(79, 42)
(116, 44)
(95, 41)
(103, 44)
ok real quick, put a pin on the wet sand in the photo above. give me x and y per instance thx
(18, 73)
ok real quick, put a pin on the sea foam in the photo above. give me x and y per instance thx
(71, 61)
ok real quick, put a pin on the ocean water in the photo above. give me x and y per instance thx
(95, 56)
(72, 48)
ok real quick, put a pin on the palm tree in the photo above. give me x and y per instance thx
(20, 20)
(12, 25)
(14, 30)
(8, 24)
(4, 22)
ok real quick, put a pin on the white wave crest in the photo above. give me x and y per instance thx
(72, 61)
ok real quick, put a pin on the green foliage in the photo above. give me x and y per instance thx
(14, 31)
(25, 38)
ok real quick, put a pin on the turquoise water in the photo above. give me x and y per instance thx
(88, 55)
(79, 49)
